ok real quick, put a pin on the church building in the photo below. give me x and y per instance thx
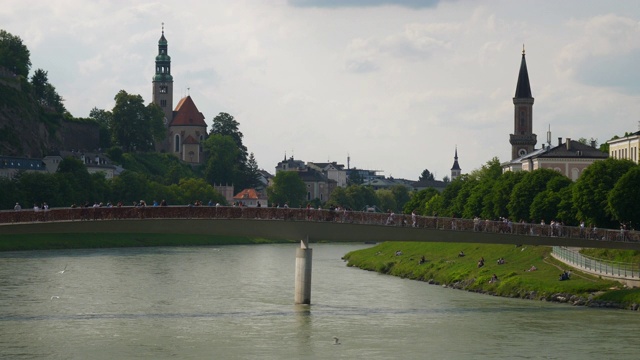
(186, 126)
(523, 140)
(569, 158)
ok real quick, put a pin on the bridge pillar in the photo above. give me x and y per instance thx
(303, 273)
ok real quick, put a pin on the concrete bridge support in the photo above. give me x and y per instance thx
(303, 273)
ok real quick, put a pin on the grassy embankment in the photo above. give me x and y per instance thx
(89, 241)
(444, 266)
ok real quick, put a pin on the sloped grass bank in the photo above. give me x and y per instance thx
(84, 241)
(444, 266)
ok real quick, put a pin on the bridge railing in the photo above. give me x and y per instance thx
(296, 214)
(598, 266)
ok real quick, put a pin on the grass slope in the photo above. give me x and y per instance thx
(443, 266)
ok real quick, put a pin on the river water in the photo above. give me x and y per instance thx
(236, 302)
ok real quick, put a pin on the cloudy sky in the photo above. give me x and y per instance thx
(395, 84)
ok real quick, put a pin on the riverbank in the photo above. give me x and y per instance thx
(528, 272)
(22, 242)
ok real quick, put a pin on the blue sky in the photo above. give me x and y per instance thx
(397, 85)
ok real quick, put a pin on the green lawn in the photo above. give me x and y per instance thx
(444, 266)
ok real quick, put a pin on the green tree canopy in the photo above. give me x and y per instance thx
(222, 165)
(523, 194)
(225, 124)
(426, 175)
(501, 192)
(287, 188)
(354, 178)
(45, 93)
(418, 201)
(134, 126)
(14, 55)
(104, 119)
(386, 200)
(592, 189)
(623, 199)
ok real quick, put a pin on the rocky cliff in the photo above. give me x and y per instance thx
(27, 129)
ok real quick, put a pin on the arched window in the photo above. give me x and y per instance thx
(575, 173)
(177, 143)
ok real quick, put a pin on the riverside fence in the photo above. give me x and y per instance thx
(317, 215)
(597, 266)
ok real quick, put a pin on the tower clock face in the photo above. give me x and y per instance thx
(522, 152)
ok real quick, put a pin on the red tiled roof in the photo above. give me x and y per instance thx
(247, 194)
(187, 114)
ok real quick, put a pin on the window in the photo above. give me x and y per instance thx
(163, 103)
(177, 143)
(163, 89)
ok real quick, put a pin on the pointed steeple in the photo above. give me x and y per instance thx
(162, 84)
(455, 169)
(523, 140)
(163, 60)
(523, 89)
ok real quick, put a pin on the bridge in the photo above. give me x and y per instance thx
(307, 225)
(315, 225)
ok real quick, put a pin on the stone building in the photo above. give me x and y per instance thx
(627, 147)
(186, 126)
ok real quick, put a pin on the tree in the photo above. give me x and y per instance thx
(222, 165)
(252, 173)
(354, 177)
(418, 201)
(501, 192)
(523, 194)
(225, 124)
(592, 188)
(400, 195)
(361, 196)
(386, 200)
(45, 93)
(104, 119)
(14, 55)
(623, 198)
(189, 190)
(426, 176)
(287, 187)
(134, 126)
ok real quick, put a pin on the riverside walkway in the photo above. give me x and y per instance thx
(299, 224)
(609, 269)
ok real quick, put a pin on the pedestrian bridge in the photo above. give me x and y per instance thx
(303, 224)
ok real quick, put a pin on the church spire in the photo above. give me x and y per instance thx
(455, 169)
(523, 89)
(162, 81)
(523, 140)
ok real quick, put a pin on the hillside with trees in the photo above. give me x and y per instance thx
(33, 119)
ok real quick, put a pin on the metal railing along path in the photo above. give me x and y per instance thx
(597, 266)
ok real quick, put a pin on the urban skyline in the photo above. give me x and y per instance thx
(395, 85)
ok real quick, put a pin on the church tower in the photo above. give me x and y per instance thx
(455, 169)
(163, 81)
(523, 139)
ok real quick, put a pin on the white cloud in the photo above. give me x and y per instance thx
(395, 84)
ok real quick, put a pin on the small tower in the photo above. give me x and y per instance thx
(523, 140)
(163, 81)
(455, 169)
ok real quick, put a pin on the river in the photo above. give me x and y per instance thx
(236, 302)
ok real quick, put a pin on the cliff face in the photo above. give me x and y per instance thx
(27, 129)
